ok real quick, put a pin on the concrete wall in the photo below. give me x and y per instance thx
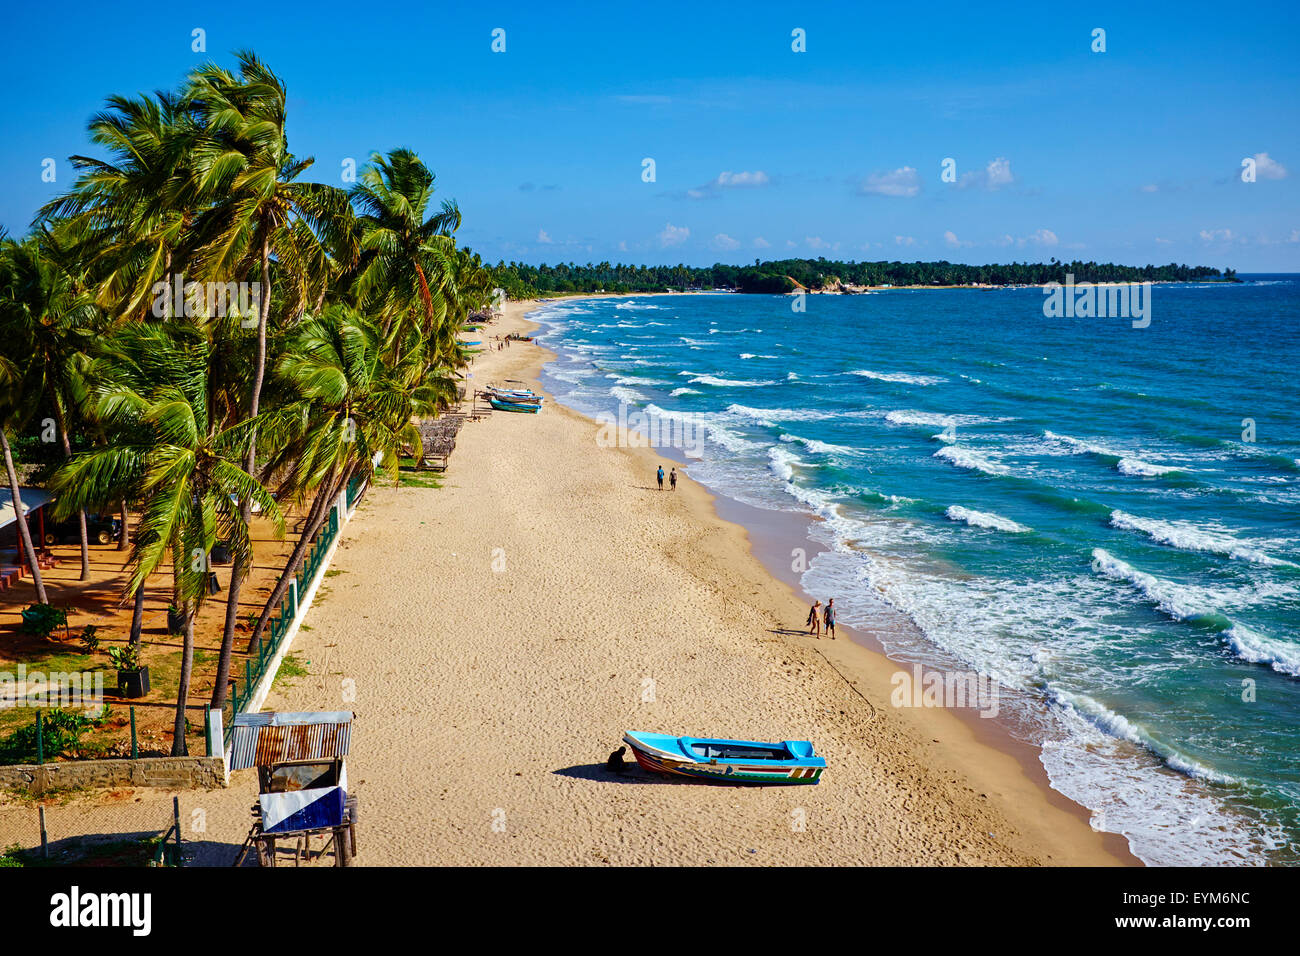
(172, 773)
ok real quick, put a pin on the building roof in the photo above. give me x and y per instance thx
(32, 498)
(262, 739)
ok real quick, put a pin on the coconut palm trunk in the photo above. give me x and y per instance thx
(240, 570)
(316, 518)
(62, 423)
(23, 532)
(124, 538)
(137, 616)
(179, 746)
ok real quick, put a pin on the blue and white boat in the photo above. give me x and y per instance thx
(518, 405)
(729, 761)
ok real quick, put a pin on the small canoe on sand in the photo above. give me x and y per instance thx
(502, 405)
(729, 761)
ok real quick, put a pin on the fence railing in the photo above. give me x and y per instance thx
(268, 645)
(41, 739)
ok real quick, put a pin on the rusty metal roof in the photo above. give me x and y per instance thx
(259, 740)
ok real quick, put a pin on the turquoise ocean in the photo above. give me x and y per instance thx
(1102, 518)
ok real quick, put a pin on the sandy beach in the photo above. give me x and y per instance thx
(501, 632)
(495, 637)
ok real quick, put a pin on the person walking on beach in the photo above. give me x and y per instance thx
(672, 479)
(661, 477)
(815, 618)
(830, 618)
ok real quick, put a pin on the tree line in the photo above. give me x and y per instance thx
(522, 281)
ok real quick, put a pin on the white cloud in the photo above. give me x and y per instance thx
(543, 236)
(790, 243)
(904, 241)
(729, 180)
(673, 235)
(724, 243)
(902, 182)
(761, 243)
(993, 176)
(1295, 236)
(1043, 237)
(622, 246)
(1266, 167)
(1151, 188)
(1211, 235)
(1164, 242)
(951, 239)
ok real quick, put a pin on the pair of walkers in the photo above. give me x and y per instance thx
(672, 477)
(818, 615)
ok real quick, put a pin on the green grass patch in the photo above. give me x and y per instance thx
(290, 667)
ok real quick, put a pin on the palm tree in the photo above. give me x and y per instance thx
(190, 479)
(255, 209)
(400, 248)
(50, 312)
(346, 405)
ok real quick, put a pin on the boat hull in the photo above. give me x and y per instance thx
(505, 406)
(679, 757)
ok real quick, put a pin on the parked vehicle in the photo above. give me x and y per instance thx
(101, 529)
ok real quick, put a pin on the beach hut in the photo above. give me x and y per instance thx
(12, 558)
(302, 782)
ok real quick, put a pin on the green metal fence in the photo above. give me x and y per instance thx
(261, 655)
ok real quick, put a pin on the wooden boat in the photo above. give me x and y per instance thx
(503, 405)
(729, 761)
(513, 394)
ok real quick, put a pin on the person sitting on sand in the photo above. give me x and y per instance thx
(672, 479)
(830, 618)
(815, 618)
(661, 477)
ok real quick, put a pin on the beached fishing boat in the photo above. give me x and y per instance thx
(731, 761)
(510, 392)
(503, 405)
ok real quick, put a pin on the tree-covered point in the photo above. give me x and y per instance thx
(521, 281)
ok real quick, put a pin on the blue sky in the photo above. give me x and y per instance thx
(1132, 155)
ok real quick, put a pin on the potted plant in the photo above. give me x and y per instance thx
(89, 639)
(42, 619)
(132, 676)
(175, 619)
(220, 553)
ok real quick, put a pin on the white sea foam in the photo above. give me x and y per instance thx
(726, 382)
(1282, 656)
(1117, 725)
(1144, 469)
(1180, 603)
(898, 377)
(1124, 464)
(628, 395)
(821, 447)
(984, 519)
(768, 415)
(972, 460)
(750, 355)
(1188, 536)
(685, 391)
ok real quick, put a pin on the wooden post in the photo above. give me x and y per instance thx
(135, 751)
(45, 837)
(176, 818)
